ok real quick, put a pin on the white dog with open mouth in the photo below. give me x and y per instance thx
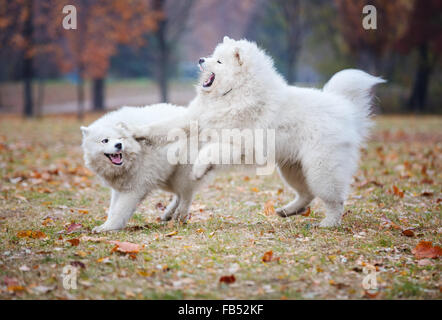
(133, 168)
(318, 132)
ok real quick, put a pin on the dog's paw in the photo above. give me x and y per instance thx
(200, 170)
(104, 227)
(166, 216)
(329, 223)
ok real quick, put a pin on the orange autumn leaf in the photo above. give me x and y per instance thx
(73, 227)
(125, 247)
(74, 242)
(398, 191)
(227, 279)
(269, 208)
(306, 213)
(408, 232)
(254, 189)
(425, 249)
(170, 234)
(268, 256)
(31, 234)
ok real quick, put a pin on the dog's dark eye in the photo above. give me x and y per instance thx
(105, 141)
(219, 62)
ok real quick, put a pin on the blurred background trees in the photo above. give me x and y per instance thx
(159, 41)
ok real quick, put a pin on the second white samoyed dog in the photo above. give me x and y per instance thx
(134, 168)
(318, 132)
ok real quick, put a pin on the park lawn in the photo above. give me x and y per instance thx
(44, 190)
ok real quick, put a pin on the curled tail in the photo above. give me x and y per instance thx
(356, 86)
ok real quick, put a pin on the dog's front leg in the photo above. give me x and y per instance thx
(121, 209)
(214, 154)
(160, 130)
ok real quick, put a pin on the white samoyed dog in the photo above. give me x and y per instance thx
(132, 168)
(318, 131)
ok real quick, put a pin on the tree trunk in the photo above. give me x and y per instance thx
(98, 93)
(163, 58)
(418, 97)
(291, 66)
(80, 97)
(28, 109)
(40, 97)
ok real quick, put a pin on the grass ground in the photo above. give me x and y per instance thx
(45, 191)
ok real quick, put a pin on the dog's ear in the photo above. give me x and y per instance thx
(226, 39)
(238, 55)
(122, 126)
(84, 131)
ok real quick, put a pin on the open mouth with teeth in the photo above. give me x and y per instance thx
(209, 80)
(115, 158)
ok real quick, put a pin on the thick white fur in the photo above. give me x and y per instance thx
(318, 132)
(145, 166)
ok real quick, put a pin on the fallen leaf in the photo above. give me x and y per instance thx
(227, 279)
(269, 208)
(398, 192)
(371, 294)
(73, 227)
(83, 211)
(74, 242)
(31, 234)
(254, 189)
(408, 232)
(268, 257)
(93, 239)
(427, 194)
(125, 247)
(306, 213)
(425, 249)
(170, 234)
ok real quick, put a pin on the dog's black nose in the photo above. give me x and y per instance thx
(119, 146)
(201, 60)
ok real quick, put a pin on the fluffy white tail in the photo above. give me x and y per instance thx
(356, 86)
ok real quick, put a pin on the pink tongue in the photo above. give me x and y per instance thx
(115, 159)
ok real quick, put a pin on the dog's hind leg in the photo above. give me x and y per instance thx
(294, 177)
(123, 206)
(170, 210)
(182, 211)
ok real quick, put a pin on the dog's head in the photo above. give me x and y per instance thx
(232, 64)
(109, 150)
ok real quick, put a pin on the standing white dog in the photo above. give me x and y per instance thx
(134, 168)
(318, 132)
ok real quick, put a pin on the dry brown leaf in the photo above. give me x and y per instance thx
(73, 227)
(269, 208)
(408, 232)
(74, 242)
(170, 234)
(306, 213)
(268, 257)
(227, 279)
(31, 234)
(125, 247)
(398, 191)
(425, 249)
